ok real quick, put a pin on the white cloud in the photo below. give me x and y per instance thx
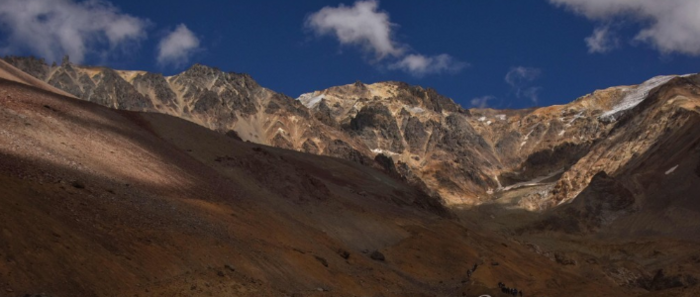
(53, 28)
(364, 25)
(532, 93)
(420, 65)
(520, 79)
(481, 102)
(601, 41)
(519, 76)
(669, 26)
(177, 47)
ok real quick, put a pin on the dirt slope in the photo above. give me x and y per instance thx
(633, 213)
(581, 199)
(99, 202)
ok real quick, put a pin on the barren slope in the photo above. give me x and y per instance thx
(629, 207)
(99, 202)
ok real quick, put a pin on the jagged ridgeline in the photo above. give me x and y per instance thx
(463, 156)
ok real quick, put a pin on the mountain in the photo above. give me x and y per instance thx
(598, 196)
(425, 137)
(105, 202)
(463, 156)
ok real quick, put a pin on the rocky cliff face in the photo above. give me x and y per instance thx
(466, 156)
(478, 155)
(418, 129)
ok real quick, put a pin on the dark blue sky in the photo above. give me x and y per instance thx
(268, 40)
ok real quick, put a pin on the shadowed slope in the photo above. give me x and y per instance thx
(99, 202)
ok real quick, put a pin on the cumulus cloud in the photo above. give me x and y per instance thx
(520, 80)
(364, 25)
(602, 40)
(420, 65)
(481, 102)
(177, 47)
(53, 28)
(669, 26)
(361, 24)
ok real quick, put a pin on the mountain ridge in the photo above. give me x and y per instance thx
(465, 156)
(129, 202)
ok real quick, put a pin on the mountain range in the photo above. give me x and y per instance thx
(598, 195)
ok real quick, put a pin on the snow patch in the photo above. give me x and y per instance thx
(482, 119)
(671, 170)
(309, 100)
(635, 96)
(576, 117)
(414, 109)
(381, 151)
(488, 123)
(501, 117)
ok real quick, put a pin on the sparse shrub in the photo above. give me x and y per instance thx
(377, 256)
(322, 261)
(78, 184)
(343, 254)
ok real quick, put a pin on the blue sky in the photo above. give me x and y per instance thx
(496, 53)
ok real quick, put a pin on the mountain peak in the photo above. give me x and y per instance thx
(199, 69)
